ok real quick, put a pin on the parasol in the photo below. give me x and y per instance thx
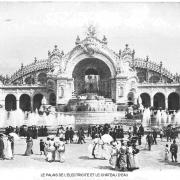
(14, 135)
(106, 138)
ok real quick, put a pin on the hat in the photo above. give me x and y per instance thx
(113, 144)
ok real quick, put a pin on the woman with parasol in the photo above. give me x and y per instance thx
(29, 146)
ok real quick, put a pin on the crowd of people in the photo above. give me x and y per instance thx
(113, 143)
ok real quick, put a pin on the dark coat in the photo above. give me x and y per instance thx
(1, 148)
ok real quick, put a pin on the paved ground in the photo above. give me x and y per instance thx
(77, 161)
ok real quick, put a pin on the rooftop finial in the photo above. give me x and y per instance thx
(22, 65)
(126, 46)
(91, 31)
(147, 58)
(104, 40)
(77, 40)
(119, 53)
(35, 59)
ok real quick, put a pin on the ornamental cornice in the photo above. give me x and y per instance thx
(33, 67)
(142, 63)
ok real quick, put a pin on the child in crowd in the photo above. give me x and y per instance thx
(166, 153)
(42, 145)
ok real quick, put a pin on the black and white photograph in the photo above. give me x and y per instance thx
(89, 90)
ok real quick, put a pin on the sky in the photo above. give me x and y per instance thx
(30, 29)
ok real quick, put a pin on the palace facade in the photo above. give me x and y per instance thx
(91, 67)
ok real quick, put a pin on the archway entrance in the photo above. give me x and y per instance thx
(37, 101)
(159, 101)
(145, 99)
(130, 98)
(92, 75)
(25, 102)
(173, 101)
(10, 102)
(52, 99)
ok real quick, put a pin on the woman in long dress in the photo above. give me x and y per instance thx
(51, 151)
(100, 149)
(95, 146)
(130, 157)
(46, 146)
(29, 142)
(114, 155)
(61, 150)
(8, 151)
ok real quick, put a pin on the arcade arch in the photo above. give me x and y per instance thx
(173, 101)
(25, 102)
(145, 97)
(159, 101)
(10, 102)
(37, 101)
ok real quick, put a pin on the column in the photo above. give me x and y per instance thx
(166, 102)
(152, 101)
(31, 103)
(17, 104)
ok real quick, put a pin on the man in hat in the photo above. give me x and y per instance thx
(174, 150)
(1, 147)
(149, 140)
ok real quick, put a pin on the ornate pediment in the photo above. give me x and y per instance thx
(56, 53)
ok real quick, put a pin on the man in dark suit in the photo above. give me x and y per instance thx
(174, 150)
(154, 136)
(1, 147)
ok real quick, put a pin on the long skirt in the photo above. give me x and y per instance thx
(28, 151)
(90, 150)
(1, 149)
(122, 163)
(166, 158)
(59, 156)
(50, 156)
(113, 161)
(130, 162)
(100, 151)
(8, 151)
(106, 151)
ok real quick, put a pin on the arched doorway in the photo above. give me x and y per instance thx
(145, 97)
(37, 101)
(130, 98)
(159, 101)
(10, 102)
(92, 75)
(25, 102)
(173, 101)
(52, 99)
